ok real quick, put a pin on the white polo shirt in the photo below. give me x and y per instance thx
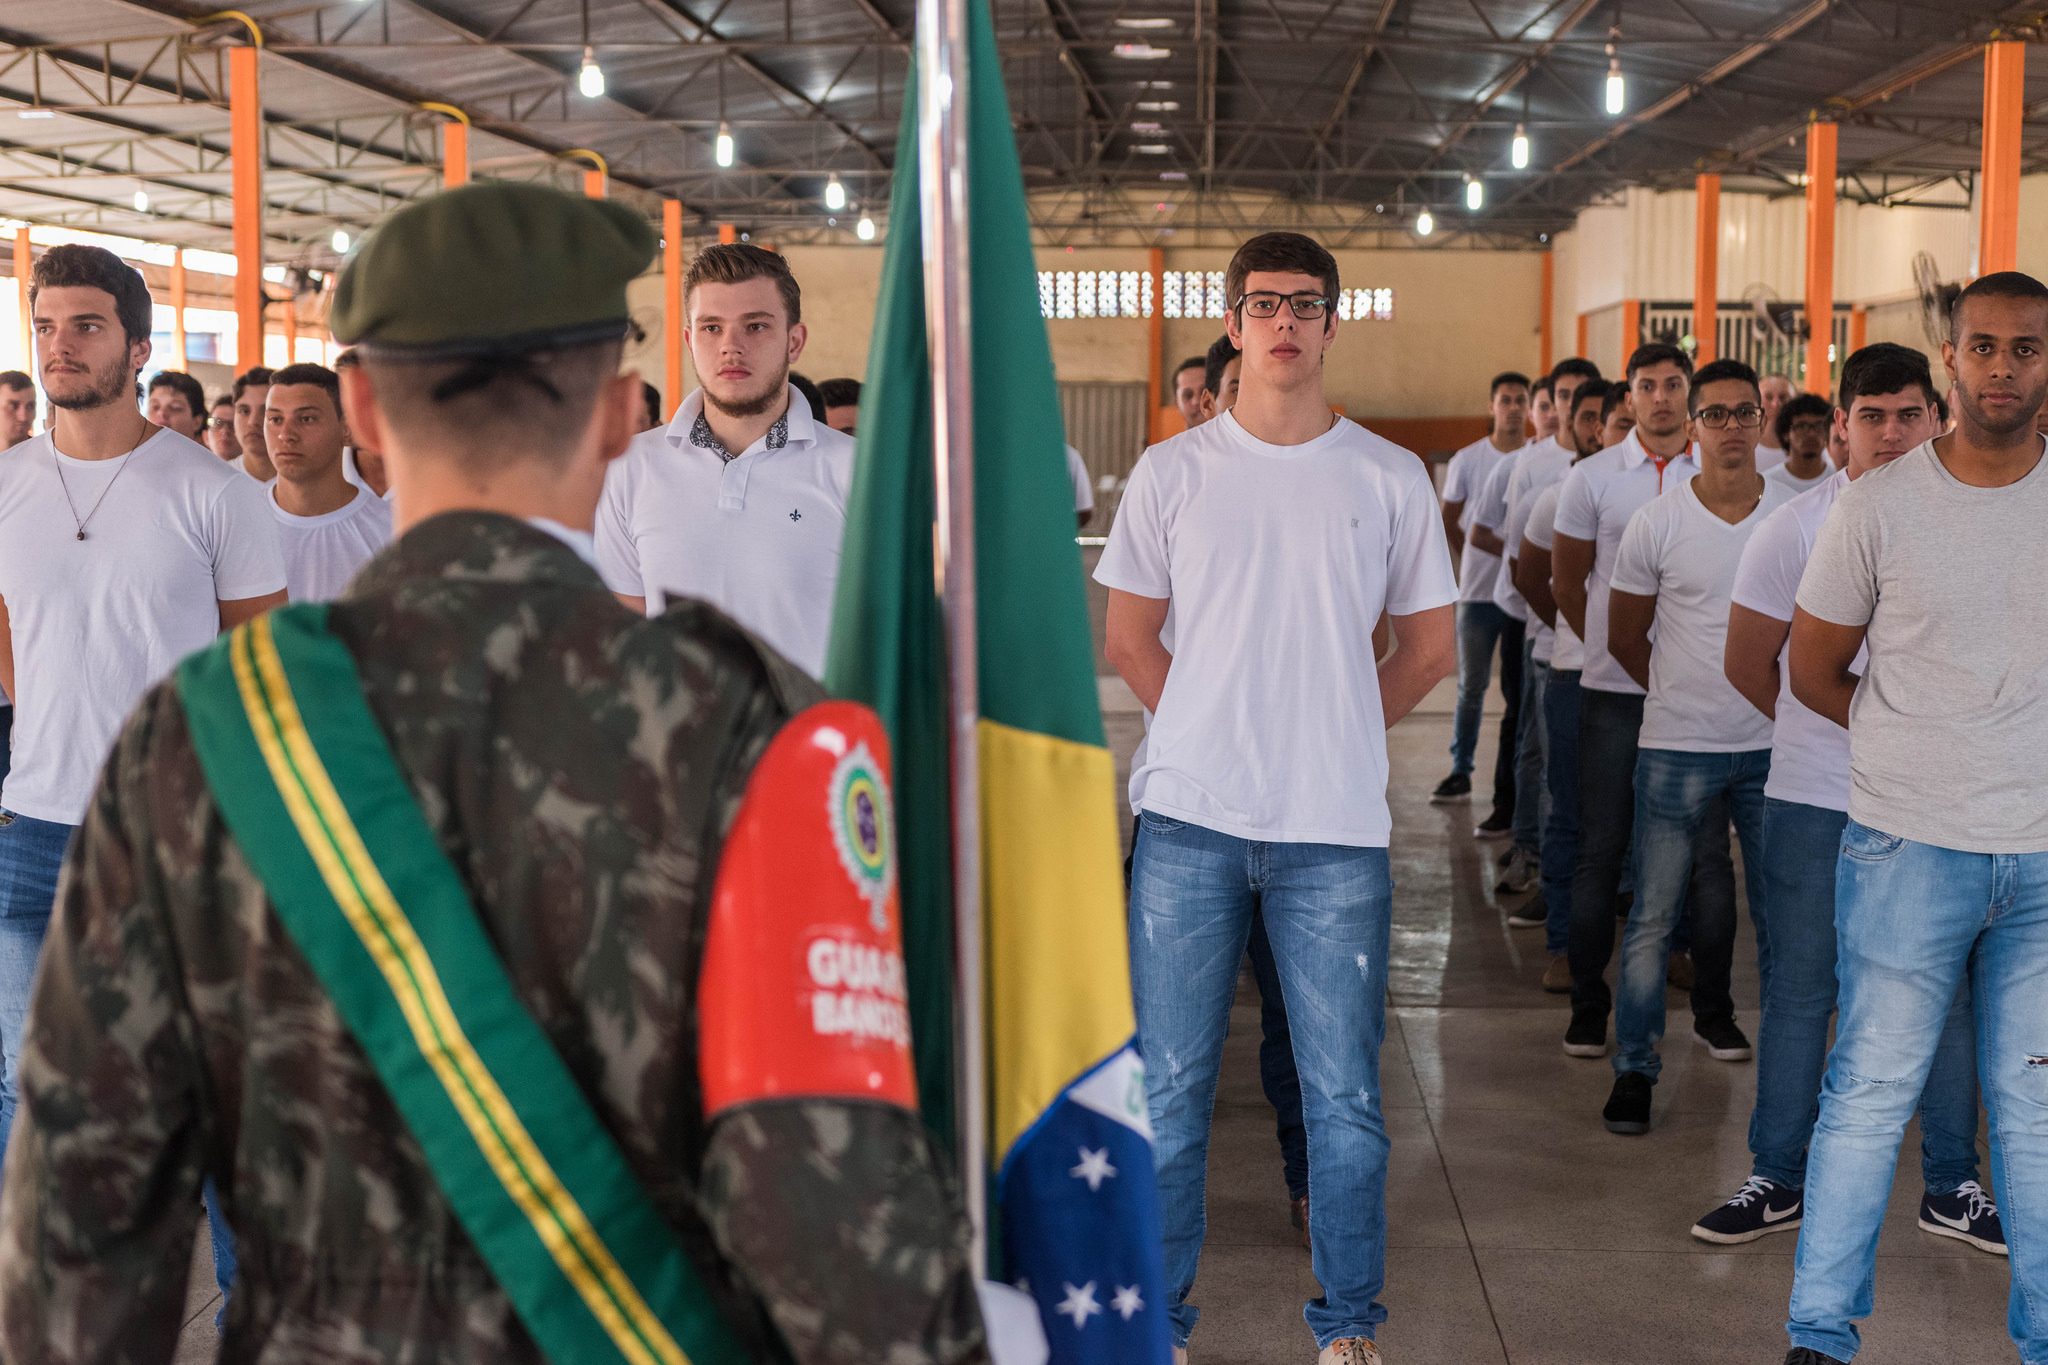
(1780, 475)
(1533, 470)
(321, 554)
(1768, 458)
(1567, 651)
(1679, 552)
(1809, 752)
(1077, 474)
(757, 537)
(1278, 561)
(1464, 481)
(1594, 503)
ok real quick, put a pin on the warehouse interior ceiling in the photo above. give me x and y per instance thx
(1132, 119)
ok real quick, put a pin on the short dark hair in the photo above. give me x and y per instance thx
(1574, 364)
(841, 393)
(811, 395)
(1656, 353)
(318, 375)
(1720, 372)
(255, 377)
(1595, 390)
(224, 400)
(1885, 367)
(187, 387)
(2002, 284)
(1544, 384)
(72, 266)
(1193, 362)
(1286, 253)
(738, 262)
(1799, 405)
(651, 396)
(1505, 377)
(1617, 394)
(1221, 353)
(15, 379)
(482, 412)
(349, 359)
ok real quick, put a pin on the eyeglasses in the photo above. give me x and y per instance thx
(219, 423)
(1307, 307)
(1749, 415)
(1812, 426)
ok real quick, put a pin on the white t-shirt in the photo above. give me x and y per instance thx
(352, 473)
(1077, 472)
(1464, 482)
(1768, 458)
(1567, 651)
(1594, 503)
(1278, 561)
(1534, 469)
(97, 623)
(1683, 555)
(758, 537)
(321, 554)
(1809, 752)
(1780, 475)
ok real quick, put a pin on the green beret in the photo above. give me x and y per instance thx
(491, 268)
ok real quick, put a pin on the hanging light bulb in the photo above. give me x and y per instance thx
(1518, 151)
(835, 194)
(1424, 224)
(1475, 195)
(340, 242)
(724, 146)
(1617, 89)
(865, 229)
(142, 201)
(590, 80)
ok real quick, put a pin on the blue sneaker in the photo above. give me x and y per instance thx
(1968, 1215)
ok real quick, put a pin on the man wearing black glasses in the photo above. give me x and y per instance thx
(1278, 533)
(1702, 744)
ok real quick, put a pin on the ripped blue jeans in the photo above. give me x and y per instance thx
(1327, 911)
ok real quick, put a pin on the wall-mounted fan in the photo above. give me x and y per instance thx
(1937, 299)
(1776, 322)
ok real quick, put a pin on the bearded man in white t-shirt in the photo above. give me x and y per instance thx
(327, 526)
(1277, 534)
(741, 499)
(123, 547)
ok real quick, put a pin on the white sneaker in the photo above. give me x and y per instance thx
(1350, 1351)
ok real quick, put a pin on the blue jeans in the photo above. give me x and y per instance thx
(1529, 746)
(1277, 1075)
(1561, 823)
(1327, 911)
(1479, 627)
(223, 1239)
(31, 854)
(1683, 799)
(1801, 846)
(1911, 921)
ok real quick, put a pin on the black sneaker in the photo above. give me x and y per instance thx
(1968, 1215)
(1806, 1355)
(1760, 1208)
(1495, 825)
(1587, 1037)
(1456, 787)
(1628, 1107)
(1723, 1040)
(1533, 915)
(1518, 872)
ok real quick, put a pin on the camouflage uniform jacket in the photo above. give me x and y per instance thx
(579, 766)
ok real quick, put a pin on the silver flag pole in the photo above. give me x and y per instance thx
(942, 203)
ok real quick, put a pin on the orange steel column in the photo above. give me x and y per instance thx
(1581, 337)
(291, 329)
(672, 304)
(178, 309)
(454, 144)
(1820, 256)
(1706, 266)
(593, 184)
(1859, 330)
(1631, 329)
(245, 142)
(1998, 205)
(1155, 334)
(727, 234)
(23, 264)
(1549, 295)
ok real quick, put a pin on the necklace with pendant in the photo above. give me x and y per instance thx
(59, 464)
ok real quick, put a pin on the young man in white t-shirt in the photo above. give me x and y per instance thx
(1887, 398)
(17, 408)
(1594, 504)
(1934, 564)
(1187, 391)
(1481, 624)
(741, 499)
(1277, 534)
(1803, 427)
(327, 527)
(1700, 739)
(1777, 391)
(251, 387)
(123, 547)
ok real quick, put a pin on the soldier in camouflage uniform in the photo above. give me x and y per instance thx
(579, 767)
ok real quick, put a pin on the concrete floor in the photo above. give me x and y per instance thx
(1520, 1232)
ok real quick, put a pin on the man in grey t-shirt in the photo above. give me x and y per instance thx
(1937, 563)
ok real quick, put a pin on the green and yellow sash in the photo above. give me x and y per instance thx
(320, 809)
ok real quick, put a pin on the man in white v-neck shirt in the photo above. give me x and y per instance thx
(123, 547)
(1702, 747)
(741, 499)
(1277, 534)
(327, 526)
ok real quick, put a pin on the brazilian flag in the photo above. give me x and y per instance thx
(1075, 1193)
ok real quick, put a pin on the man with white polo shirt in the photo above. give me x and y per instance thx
(1804, 424)
(741, 499)
(1594, 504)
(1887, 397)
(1777, 392)
(1278, 534)
(327, 527)
(1703, 751)
(123, 547)
(1481, 624)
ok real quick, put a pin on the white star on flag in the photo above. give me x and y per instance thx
(1127, 1302)
(1094, 1168)
(1080, 1304)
